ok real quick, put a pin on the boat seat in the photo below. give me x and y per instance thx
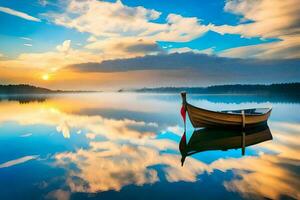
(247, 111)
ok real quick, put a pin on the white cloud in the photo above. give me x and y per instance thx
(51, 60)
(181, 29)
(104, 18)
(18, 161)
(176, 130)
(65, 123)
(277, 19)
(111, 166)
(268, 19)
(108, 19)
(28, 45)
(64, 47)
(26, 38)
(287, 48)
(19, 14)
(261, 176)
(124, 47)
(208, 51)
(108, 164)
(92, 39)
(26, 135)
(98, 51)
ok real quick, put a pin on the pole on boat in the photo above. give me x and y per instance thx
(183, 108)
(182, 145)
(183, 96)
(243, 130)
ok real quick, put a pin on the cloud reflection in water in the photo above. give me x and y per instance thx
(125, 151)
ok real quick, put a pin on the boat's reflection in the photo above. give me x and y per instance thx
(221, 139)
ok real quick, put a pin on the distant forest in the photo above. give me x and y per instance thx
(29, 89)
(282, 88)
(23, 89)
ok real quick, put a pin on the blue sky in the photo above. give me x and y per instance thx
(47, 36)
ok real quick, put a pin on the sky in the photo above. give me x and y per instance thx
(108, 45)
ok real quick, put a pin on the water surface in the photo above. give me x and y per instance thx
(125, 145)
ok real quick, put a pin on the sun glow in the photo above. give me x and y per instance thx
(45, 77)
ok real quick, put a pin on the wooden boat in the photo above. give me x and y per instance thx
(223, 139)
(200, 117)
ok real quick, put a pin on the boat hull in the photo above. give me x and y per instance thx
(205, 118)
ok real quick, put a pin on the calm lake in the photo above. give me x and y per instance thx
(126, 146)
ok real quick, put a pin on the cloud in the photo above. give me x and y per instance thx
(112, 165)
(132, 159)
(65, 55)
(18, 161)
(65, 123)
(149, 62)
(266, 19)
(124, 158)
(143, 48)
(270, 176)
(181, 29)
(118, 31)
(92, 39)
(208, 66)
(19, 14)
(289, 47)
(259, 18)
(267, 176)
(177, 69)
(124, 47)
(64, 47)
(114, 19)
(51, 60)
(175, 129)
(208, 51)
(26, 38)
(26, 135)
(93, 17)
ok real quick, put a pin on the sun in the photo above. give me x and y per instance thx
(45, 77)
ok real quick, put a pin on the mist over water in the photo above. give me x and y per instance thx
(125, 145)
